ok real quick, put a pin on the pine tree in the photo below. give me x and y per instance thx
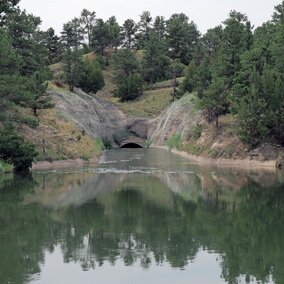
(39, 98)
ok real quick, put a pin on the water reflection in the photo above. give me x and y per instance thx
(166, 218)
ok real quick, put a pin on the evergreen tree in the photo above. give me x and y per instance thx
(39, 98)
(6, 7)
(214, 100)
(159, 27)
(144, 29)
(212, 41)
(114, 33)
(72, 67)
(24, 31)
(155, 63)
(278, 15)
(91, 79)
(101, 36)
(182, 37)
(128, 80)
(128, 31)
(53, 45)
(15, 150)
(252, 118)
(72, 34)
(88, 20)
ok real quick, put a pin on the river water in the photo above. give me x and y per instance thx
(142, 216)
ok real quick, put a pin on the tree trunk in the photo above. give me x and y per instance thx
(217, 120)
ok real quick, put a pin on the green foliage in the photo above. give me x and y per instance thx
(91, 78)
(25, 37)
(182, 37)
(114, 32)
(189, 82)
(72, 67)
(125, 62)
(53, 45)
(214, 100)
(87, 21)
(192, 149)
(129, 87)
(15, 150)
(106, 143)
(175, 141)
(101, 36)
(38, 97)
(129, 82)
(5, 167)
(197, 131)
(155, 63)
(252, 118)
(128, 32)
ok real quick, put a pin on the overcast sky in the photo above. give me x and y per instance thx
(205, 13)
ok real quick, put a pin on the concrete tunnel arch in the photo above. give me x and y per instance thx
(132, 142)
(131, 145)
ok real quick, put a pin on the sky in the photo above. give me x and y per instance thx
(205, 13)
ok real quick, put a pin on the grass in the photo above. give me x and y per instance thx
(62, 140)
(192, 148)
(166, 83)
(175, 141)
(150, 104)
(5, 167)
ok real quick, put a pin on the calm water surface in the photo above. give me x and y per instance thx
(142, 216)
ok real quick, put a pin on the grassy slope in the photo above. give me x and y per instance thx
(62, 139)
(149, 105)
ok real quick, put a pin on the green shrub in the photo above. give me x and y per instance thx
(192, 149)
(197, 131)
(5, 167)
(32, 122)
(148, 143)
(106, 143)
(91, 77)
(174, 141)
(129, 87)
(13, 149)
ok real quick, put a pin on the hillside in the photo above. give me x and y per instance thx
(80, 125)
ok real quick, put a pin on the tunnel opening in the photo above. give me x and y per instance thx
(131, 145)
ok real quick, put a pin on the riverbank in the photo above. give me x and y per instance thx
(244, 163)
(61, 164)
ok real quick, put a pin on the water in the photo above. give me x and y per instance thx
(142, 216)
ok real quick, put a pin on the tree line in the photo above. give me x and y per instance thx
(232, 67)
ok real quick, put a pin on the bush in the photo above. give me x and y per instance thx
(5, 167)
(197, 131)
(174, 141)
(91, 77)
(129, 87)
(14, 149)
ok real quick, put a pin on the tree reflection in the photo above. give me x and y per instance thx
(142, 220)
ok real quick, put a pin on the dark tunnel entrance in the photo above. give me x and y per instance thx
(131, 145)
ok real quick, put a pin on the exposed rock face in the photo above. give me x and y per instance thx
(91, 115)
(178, 118)
(98, 118)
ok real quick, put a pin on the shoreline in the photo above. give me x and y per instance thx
(61, 164)
(246, 163)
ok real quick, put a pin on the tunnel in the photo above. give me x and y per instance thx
(131, 145)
